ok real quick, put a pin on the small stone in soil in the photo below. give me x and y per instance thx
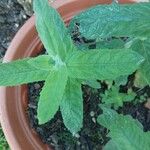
(147, 104)
(37, 86)
(92, 113)
(94, 120)
(77, 135)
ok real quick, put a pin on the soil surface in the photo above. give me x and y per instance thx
(92, 136)
(12, 17)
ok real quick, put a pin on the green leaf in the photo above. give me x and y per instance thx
(93, 83)
(114, 20)
(20, 72)
(125, 132)
(113, 96)
(143, 74)
(52, 30)
(72, 106)
(102, 64)
(111, 145)
(114, 44)
(121, 80)
(43, 62)
(52, 94)
(110, 44)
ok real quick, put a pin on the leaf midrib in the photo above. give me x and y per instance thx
(95, 64)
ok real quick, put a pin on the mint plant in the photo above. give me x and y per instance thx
(66, 67)
(113, 97)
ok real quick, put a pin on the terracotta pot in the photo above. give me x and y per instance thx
(13, 100)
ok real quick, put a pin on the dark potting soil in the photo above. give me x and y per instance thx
(12, 17)
(92, 136)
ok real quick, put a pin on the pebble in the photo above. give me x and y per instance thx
(92, 113)
(94, 120)
(16, 25)
(24, 16)
(148, 117)
(32, 106)
(78, 143)
(37, 86)
(54, 138)
(77, 135)
(147, 104)
(2, 19)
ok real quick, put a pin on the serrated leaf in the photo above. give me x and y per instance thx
(20, 72)
(125, 132)
(113, 96)
(72, 106)
(43, 62)
(102, 64)
(143, 74)
(52, 94)
(114, 20)
(52, 30)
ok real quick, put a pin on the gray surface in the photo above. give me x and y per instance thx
(12, 17)
(27, 5)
